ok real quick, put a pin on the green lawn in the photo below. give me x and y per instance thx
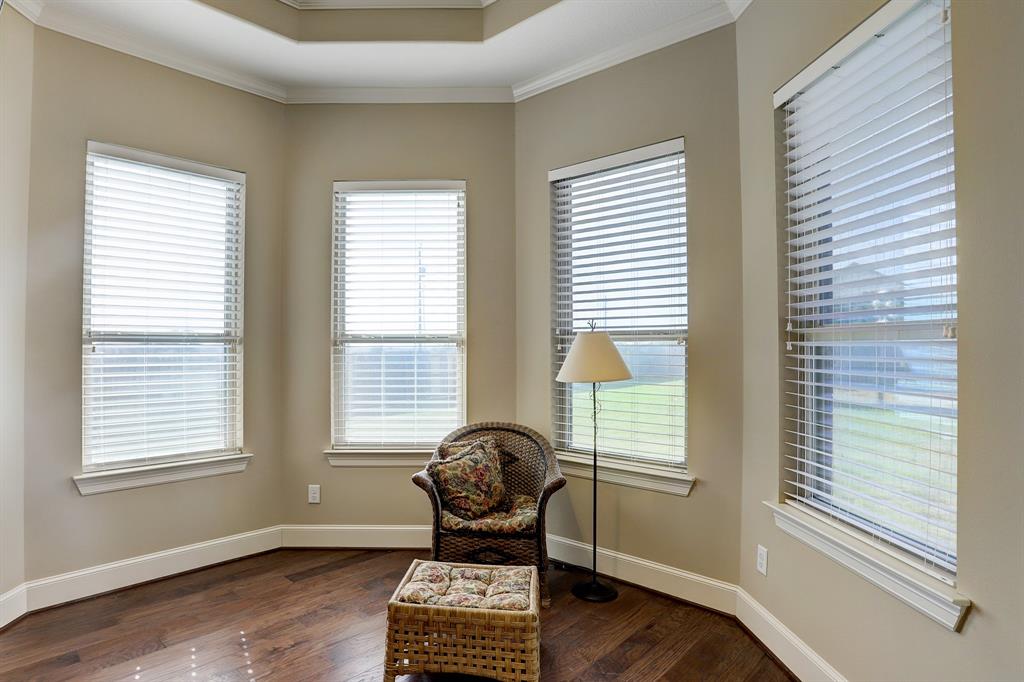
(883, 458)
(628, 411)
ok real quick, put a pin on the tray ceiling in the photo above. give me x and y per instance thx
(568, 40)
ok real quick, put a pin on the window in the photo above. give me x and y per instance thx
(162, 313)
(619, 261)
(399, 313)
(871, 302)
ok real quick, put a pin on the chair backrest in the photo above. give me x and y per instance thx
(532, 453)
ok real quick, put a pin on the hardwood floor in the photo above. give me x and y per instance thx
(302, 615)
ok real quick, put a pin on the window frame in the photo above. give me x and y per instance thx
(932, 591)
(650, 473)
(131, 473)
(396, 453)
(816, 494)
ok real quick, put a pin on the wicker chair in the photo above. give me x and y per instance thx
(535, 473)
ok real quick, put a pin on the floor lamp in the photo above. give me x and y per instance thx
(593, 359)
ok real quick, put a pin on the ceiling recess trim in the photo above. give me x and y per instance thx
(701, 22)
(31, 9)
(736, 7)
(388, 4)
(397, 95)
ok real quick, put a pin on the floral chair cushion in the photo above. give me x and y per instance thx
(470, 482)
(440, 584)
(521, 517)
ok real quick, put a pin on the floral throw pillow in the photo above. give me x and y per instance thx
(470, 482)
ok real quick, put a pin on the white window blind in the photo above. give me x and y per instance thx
(162, 313)
(871, 303)
(399, 313)
(619, 260)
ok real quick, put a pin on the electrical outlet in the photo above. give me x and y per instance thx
(762, 560)
(314, 494)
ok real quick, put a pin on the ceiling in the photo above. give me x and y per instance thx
(568, 40)
(386, 4)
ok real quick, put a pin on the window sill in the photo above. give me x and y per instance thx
(916, 588)
(373, 458)
(646, 476)
(96, 482)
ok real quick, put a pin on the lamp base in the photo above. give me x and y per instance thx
(592, 590)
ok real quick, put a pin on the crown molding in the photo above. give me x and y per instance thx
(701, 22)
(387, 4)
(115, 40)
(396, 95)
(31, 9)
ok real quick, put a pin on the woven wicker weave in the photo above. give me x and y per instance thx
(500, 645)
(535, 473)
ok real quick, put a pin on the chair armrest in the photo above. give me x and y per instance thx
(550, 487)
(423, 480)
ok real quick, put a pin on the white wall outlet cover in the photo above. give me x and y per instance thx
(762, 560)
(314, 494)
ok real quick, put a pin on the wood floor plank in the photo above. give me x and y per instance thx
(43, 669)
(723, 652)
(767, 670)
(311, 615)
(603, 629)
(335, 565)
(651, 650)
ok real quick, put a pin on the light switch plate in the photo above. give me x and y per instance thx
(314, 494)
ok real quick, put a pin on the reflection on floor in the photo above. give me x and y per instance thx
(301, 615)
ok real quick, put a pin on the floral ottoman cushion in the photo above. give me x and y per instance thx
(480, 587)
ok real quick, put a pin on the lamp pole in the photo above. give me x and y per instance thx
(593, 590)
(593, 569)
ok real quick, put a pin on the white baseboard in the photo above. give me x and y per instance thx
(87, 582)
(708, 592)
(13, 604)
(692, 587)
(392, 537)
(802, 660)
(117, 574)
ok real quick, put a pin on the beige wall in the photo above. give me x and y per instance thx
(83, 92)
(292, 154)
(16, 37)
(864, 633)
(688, 89)
(471, 142)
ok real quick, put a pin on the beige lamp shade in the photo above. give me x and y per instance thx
(593, 359)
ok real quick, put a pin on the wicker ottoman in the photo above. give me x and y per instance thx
(441, 638)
